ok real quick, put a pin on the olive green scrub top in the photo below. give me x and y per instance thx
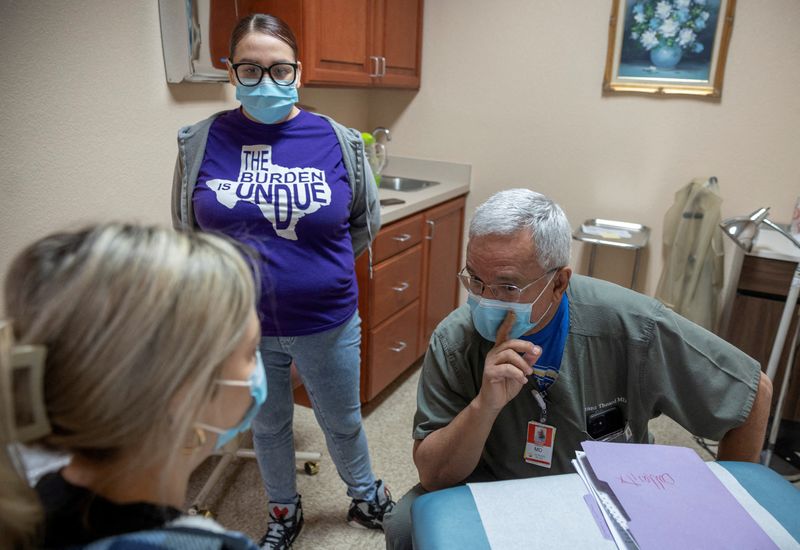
(623, 348)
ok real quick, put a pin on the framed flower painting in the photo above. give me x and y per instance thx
(668, 46)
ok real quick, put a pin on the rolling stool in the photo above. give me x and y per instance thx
(597, 232)
(233, 449)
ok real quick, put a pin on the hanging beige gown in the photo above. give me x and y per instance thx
(692, 278)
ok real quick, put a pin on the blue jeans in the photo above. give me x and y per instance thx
(329, 364)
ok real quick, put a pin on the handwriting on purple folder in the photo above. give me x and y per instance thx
(659, 481)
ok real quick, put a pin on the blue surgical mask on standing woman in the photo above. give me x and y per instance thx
(257, 382)
(268, 103)
(488, 315)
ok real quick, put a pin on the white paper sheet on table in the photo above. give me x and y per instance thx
(522, 513)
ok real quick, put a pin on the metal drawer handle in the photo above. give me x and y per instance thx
(432, 225)
(403, 286)
(377, 64)
(402, 237)
(399, 347)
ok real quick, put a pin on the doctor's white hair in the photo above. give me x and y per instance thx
(514, 210)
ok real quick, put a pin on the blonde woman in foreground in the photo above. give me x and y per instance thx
(148, 341)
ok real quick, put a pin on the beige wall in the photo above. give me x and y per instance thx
(88, 122)
(513, 87)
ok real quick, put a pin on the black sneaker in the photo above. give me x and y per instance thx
(368, 514)
(285, 523)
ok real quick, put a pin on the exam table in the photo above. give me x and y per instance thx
(449, 519)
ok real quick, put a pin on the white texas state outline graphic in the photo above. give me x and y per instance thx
(284, 195)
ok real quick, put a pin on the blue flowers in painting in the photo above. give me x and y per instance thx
(669, 23)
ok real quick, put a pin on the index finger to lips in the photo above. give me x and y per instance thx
(505, 328)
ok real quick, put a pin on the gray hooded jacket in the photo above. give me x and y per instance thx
(365, 220)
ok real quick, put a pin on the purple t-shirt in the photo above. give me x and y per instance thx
(283, 190)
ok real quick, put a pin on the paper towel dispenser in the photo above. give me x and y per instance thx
(194, 36)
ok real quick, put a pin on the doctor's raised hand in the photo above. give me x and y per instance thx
(448, 455)
(506, 368)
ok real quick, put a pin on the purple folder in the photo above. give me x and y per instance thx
(672, 499)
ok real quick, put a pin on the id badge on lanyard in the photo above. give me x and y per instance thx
(541, 437)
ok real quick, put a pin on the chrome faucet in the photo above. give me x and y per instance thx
(376, 133)
(379, 157)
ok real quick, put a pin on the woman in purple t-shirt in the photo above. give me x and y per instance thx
(295, 187)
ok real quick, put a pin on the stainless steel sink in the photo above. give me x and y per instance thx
(405, 184)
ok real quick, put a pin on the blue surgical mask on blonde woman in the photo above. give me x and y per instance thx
(242, 375)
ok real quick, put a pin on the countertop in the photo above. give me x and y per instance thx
(772, 245)
(453, 178)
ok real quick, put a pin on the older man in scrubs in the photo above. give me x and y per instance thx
(541, 359)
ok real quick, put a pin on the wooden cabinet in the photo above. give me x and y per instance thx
(397, 42)
(442, 260)
(364, 43)
(391, 349)
(336, 43)
(756, 313)
(413, 287)
(395, 284)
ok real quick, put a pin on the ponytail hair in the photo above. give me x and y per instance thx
(137, 322)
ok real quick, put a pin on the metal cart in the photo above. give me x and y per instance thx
(599, 232)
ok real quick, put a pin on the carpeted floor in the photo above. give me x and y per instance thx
(238, 501)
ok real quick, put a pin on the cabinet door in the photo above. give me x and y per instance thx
(397, 37)
(441, 262)
(337, 42)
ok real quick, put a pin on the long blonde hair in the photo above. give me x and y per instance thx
(129, 315)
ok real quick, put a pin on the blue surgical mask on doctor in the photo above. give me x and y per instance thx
(488, 314)
(257, 382)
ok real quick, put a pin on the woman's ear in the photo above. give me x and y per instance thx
(297, 80)
(231, 74)
(561, 281)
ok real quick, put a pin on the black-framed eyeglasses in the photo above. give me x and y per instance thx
(502, 292)
(251, 74)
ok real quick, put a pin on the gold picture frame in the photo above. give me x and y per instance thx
(668, 47)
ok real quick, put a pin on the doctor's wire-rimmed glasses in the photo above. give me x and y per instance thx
(251, 74)
(502, 292)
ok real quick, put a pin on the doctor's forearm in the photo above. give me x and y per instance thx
(448, 455)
